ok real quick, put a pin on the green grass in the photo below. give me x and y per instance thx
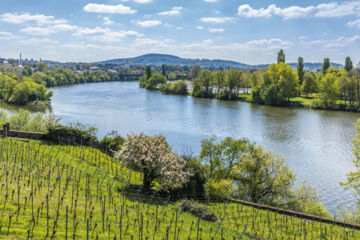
(95, 190)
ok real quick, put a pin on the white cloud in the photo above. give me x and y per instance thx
(7, 36)
(148, 23)
(112, 9)
(104, 34)
(107, 21)
(179, 28)
(287, 13)
(333, 43)
(38, 31)
(145, 42)
(200, 27)
(36, 41)
(210, 1)
(355, 23)
(334, 9)
(216, 30)
(63, 27)
(216, 19)
(174, 11)
(39, 19)
(143, 1)
(326, 10)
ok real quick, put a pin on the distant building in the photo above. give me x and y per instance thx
(112, 70)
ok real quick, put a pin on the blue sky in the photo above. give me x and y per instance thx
(245, 31)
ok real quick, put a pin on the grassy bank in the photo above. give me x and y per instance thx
(53, 191)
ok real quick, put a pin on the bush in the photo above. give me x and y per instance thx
(112, 141)
(219, 190)
(77, 132)
(194, 188)
(198, 210)
(178, 88)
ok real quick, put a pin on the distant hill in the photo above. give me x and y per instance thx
(159, 59)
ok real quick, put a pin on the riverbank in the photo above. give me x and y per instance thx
(310, 102)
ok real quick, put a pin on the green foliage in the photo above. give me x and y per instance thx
(163, 70)
(154, 81)
(178, 88)
(23, 120)
(300, 70)
(74, 132)
(17, 91)
(27, 71)
(279, 85)
(281, 56)
(262, 177)
(112, 142)
(148, 72)
(348, 66)
(306, 199)
(309, 84)
(353, 177)
(194, 188)
(325, 65)
(219, 190)
(240, 169)
(195, 71)
(329, 89)
(42, 67)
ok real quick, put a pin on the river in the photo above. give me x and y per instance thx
(317, 144)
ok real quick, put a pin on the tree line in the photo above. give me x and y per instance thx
(279, 84)
(28, 86)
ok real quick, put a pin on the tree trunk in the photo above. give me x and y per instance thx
(147, 181)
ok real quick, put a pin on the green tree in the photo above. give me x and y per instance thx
(27, 71)
(154, 81)
(353, 177)
(281, 56)
(348, 64)
(163, 70)
(329, 89)
(219, 81)
(148, 72)
(309, 85)
(42, 67)
(300, 70)
(221, 156)
(262, 177)
(233, 82)
(325, 65)
(195, 71)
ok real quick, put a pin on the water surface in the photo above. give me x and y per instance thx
(317, 144)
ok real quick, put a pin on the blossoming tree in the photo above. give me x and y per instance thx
(153, 157)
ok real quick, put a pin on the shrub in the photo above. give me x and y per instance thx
(80, 133)
(219, 190)
(112, 141)
(194, 188)
(198, 210)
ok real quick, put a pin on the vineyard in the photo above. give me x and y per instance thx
(51, 191)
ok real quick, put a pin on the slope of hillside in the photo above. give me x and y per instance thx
(160, 59)
(63, 192)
